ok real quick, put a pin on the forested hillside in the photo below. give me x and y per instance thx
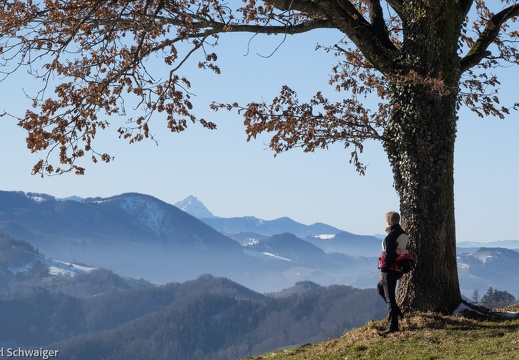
(89, 313)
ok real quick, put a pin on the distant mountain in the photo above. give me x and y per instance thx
(194, 207)
(251, 224)
(288, 247)
(123, 218)
(302, 260)
(249, 227)
(139, 236)
(72, 198)
(23, 269)
(126, 218)
(348, 243)
(299, 288)
(507, 244)
(247, 237)
(133, 234)
(489, 267)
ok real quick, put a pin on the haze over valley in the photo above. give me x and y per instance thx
(142, 237)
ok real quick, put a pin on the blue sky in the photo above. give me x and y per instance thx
(235, 178)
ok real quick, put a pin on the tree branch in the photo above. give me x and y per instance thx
(376, 15)
(221, 27)
(375, 46)
(291, 29)
(480, 49)
(378, 23)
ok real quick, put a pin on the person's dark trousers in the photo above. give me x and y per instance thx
(387, 290)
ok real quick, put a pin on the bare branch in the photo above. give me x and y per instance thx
(480, 48)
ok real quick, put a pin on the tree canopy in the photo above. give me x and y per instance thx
(98, 54)
(422, 59)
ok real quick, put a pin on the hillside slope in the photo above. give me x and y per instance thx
(423, 336)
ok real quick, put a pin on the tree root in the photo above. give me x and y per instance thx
(478, 312)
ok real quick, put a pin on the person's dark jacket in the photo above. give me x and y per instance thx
(394, 232)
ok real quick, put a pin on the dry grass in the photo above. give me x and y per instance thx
(422, 336)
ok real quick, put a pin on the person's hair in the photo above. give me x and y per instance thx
(393, 217)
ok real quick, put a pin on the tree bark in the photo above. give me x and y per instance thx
(422, 157)
(419, 141)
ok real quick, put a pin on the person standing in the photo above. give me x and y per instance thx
(393, 244)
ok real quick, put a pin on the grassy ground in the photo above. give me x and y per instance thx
(422, 336)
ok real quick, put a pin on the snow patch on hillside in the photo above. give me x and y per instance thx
(266, 256)
(325, 236)
(483, 257)
(39, 198)
(276, 256)
(250, 242)
(57, 267)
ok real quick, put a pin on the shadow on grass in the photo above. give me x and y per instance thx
(470, 320)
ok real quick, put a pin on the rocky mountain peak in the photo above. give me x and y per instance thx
(194, 207)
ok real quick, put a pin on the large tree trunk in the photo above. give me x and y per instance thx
(423, 166)
(420, 146)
